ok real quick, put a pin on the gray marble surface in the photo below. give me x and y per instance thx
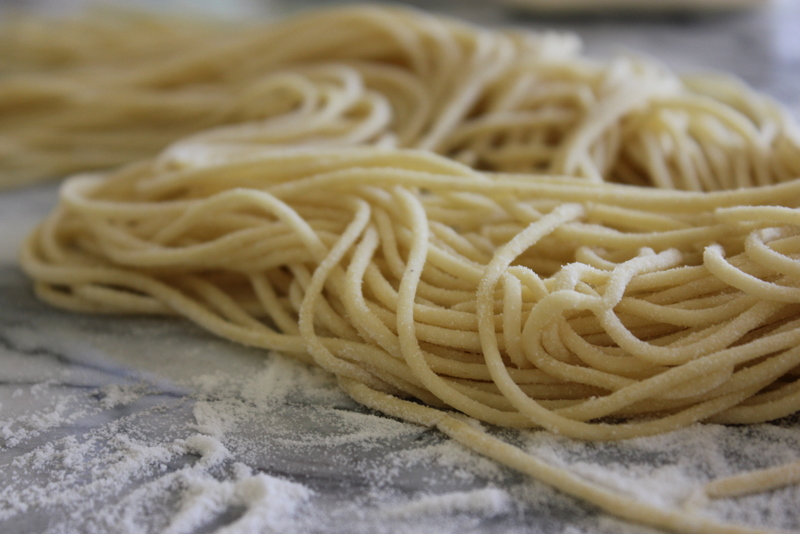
(103, 419)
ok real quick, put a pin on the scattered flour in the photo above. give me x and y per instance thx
(267, 501)
(57, 410)
(115, 395)
(488, 502)
(256, 452)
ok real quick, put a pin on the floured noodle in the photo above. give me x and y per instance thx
(427, 210)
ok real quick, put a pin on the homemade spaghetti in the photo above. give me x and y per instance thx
(493, 269)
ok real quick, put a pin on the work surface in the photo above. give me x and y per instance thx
(130, 424)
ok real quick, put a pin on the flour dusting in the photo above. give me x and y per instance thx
(252, 443)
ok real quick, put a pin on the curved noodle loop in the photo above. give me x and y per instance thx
(428, 211)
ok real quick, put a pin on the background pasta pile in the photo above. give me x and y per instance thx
(106, 90)
(447, 218)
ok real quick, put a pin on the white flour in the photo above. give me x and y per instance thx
(489, 502)
(77, 472)
(181, 465)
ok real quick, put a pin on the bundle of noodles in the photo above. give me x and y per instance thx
(596, 311)
(549, 297)
(503, 101)
(31, 43)
(109, 111)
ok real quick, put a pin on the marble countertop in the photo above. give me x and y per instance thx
(131, 424)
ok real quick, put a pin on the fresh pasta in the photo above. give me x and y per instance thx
(97, 112)
(455, 221)
(501, 101)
